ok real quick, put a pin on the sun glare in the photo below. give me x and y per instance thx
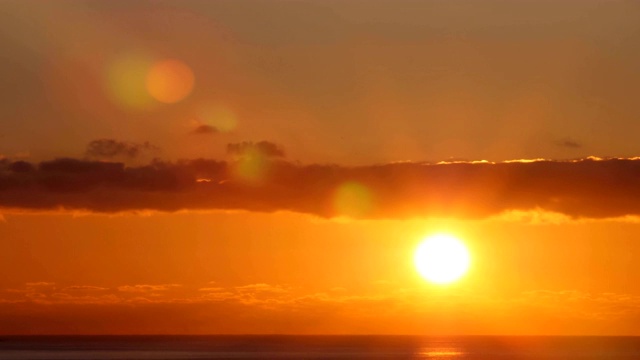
(442, 259)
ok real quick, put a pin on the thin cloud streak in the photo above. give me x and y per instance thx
(204, 129)
(586, 188)
(569, 143)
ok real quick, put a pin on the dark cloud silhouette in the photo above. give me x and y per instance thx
(264, 148)
(590, 188)
(68, 165)
(569, 143)
(21, 167)
(204, 130)
(110, 149)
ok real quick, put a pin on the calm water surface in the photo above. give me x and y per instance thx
(317, 347)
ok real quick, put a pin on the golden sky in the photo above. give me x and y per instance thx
(271, 166)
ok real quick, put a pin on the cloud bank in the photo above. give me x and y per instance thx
(586, 188)
(90, 309)
(265, 148)
(111, 149)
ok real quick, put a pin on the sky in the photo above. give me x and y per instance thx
(208, 167)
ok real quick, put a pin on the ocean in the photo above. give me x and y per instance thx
(316, 347)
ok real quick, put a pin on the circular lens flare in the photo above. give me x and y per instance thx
(252, 167)
(352, 199)
(125, 81)
(170, 81)
(219, 116)
(442, 259)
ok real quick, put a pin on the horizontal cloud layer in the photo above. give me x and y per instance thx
(591, 188)
(265, 308)
(110, 149)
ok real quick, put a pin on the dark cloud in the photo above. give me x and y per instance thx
(205, 130)
(591, 188)
(568, 143)
(21, 167)
(68, 165)
(110, 149)
(264, 148)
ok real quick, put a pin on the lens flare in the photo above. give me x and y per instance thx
(352, 199)
(125, 82)
(170, 81)
(252, 167)
(219, 116)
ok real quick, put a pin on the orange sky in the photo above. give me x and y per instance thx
(291, 273)
(271, 166)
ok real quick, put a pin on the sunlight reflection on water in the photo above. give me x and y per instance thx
(319, 348)
(446, 353)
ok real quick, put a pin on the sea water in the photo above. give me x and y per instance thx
(317, 347)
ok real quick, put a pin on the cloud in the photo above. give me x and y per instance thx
(586, 188)
(407, 309)
(20, 167)
(85, 288)
(212, 289)
(110, 149)
(261, 289)
(568, 143)
(204, 129)
(575, 303)
(264, 148)
(66, 298)
(147, 288)
(68, 165)
(216, 296)
(40, 284)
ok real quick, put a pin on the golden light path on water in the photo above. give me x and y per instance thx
(440, 354)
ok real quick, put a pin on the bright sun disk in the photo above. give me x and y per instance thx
(442, 259)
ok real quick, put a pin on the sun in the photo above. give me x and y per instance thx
(442, 259)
